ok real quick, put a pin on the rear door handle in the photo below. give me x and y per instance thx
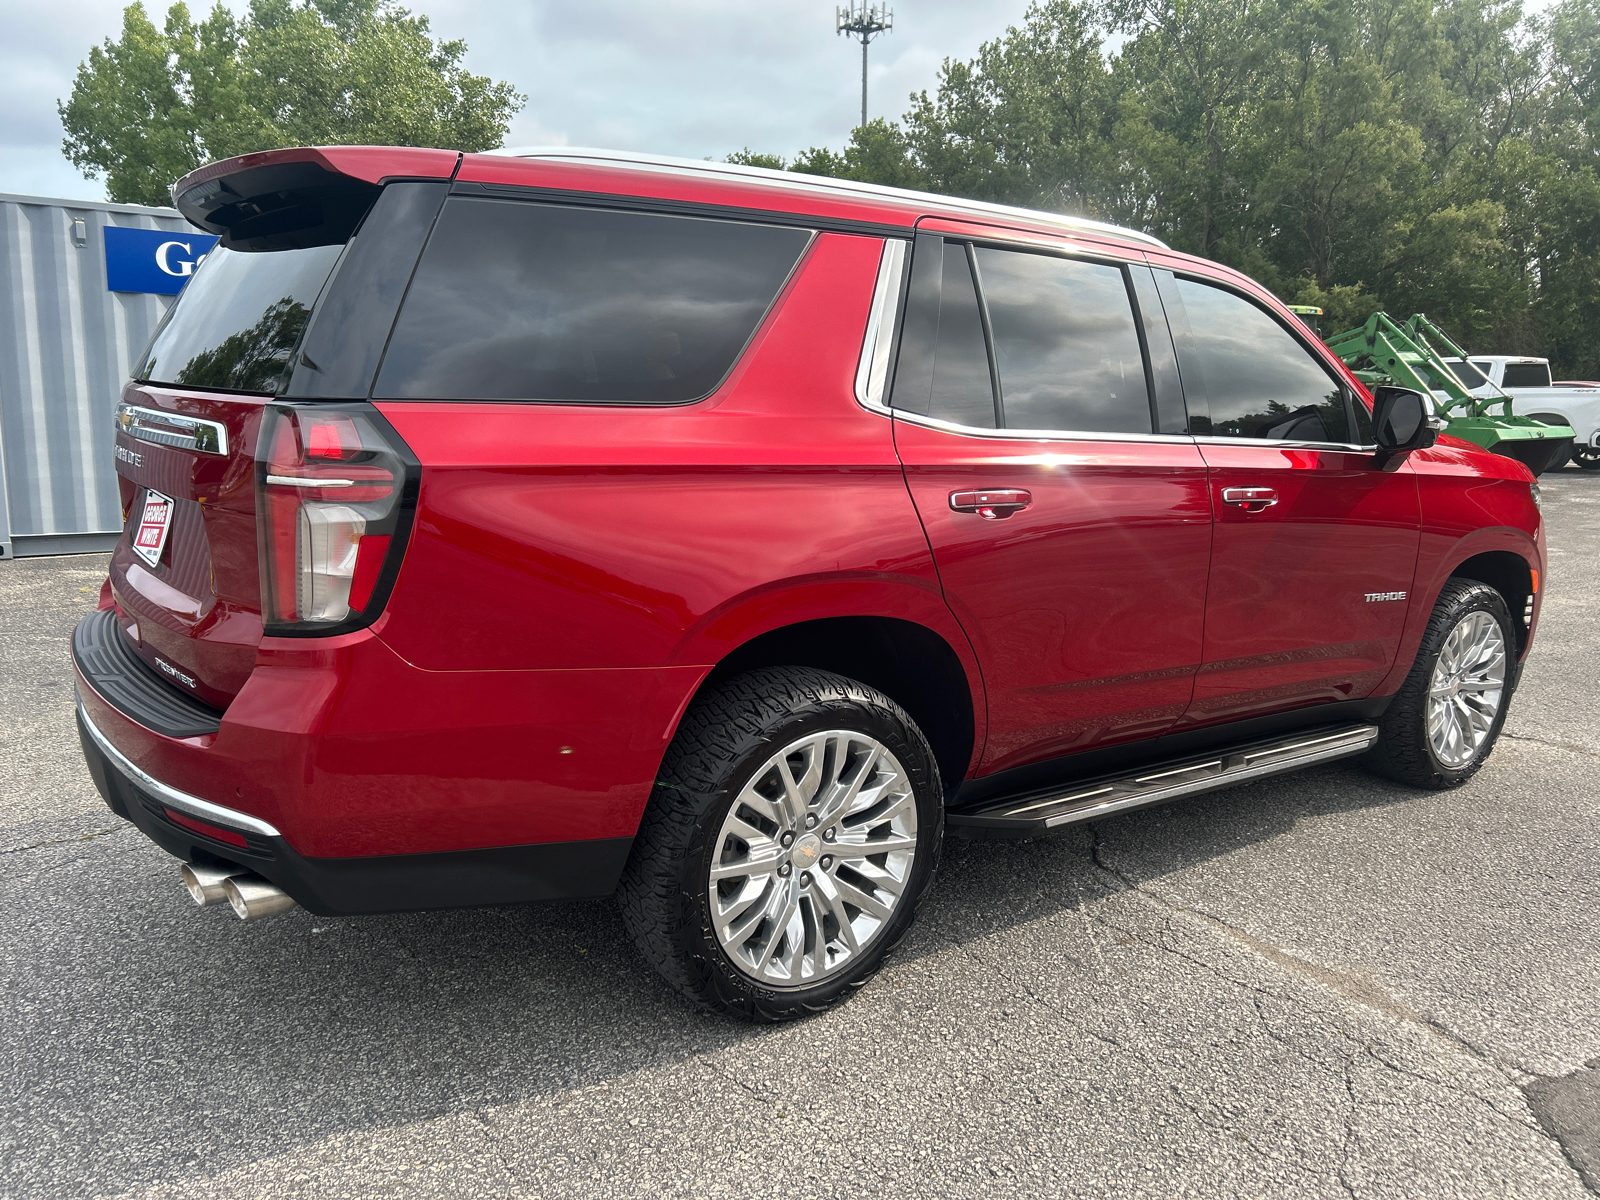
(1251, 499)
(992, 504)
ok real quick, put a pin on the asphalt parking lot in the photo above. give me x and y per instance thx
(1317, 985)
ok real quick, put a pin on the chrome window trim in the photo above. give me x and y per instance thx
(1038, 435)
(197, 433)
(1210, 439)
(872, 372)
(182, 801)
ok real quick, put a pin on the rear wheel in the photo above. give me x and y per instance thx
(1445, 719)
(1587, 457)
(793, 830)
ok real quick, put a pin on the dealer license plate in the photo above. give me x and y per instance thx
(150, 538)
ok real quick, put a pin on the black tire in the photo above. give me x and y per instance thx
(1586, 457)
(1404, 751)
(725, 738)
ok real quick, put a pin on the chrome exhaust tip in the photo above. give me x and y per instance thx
(252, 897)
(204, 884)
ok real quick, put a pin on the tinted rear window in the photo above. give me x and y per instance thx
(524, 301)
(239, 319)
(1526, 375)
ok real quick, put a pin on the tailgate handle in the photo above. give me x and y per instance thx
(992, 504)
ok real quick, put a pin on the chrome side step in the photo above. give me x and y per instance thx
(1156, 783)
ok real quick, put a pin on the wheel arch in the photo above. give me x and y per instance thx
(913, 665)
(1511, 575)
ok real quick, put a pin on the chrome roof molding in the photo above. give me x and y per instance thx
(825, 184)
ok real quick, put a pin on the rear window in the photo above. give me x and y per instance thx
(238, 321)
(1520, 375)
(516, 300)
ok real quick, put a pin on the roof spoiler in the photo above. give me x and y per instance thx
(289, 199)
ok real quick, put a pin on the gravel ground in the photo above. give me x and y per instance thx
(1317, 985)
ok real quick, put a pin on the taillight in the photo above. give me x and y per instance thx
(331, 505)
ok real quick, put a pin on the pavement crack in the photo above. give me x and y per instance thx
(1361, 991)
(1350, 1134)
(1571, 747)
(66, 841)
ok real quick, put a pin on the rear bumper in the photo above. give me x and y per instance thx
(360, 783)
(341, 886)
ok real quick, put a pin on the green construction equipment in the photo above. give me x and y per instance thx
(1382, 352)
(1310, 315)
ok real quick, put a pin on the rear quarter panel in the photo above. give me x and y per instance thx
(583, 537)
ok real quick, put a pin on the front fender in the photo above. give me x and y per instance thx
(1473, 503)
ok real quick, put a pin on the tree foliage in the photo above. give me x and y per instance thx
(156, 103)
(1416, 155)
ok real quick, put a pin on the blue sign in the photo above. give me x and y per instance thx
(153, 260)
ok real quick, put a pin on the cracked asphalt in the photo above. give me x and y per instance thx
(1316, 985)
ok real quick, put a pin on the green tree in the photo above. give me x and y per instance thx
(156, 103)
(878, 152)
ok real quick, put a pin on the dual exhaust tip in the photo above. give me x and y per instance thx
(250, 896)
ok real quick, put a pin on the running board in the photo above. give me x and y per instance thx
(1087, 800)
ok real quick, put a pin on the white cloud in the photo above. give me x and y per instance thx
(695, 78)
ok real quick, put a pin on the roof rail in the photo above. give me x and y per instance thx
(825, 183)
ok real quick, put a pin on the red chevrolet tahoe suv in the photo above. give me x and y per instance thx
(509, 527)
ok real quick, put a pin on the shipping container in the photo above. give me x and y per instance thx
(67, 345)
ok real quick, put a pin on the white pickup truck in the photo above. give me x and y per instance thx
(1528, 382)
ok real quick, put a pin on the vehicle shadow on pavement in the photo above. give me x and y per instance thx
(291, 1030)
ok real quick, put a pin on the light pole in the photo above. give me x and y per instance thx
(864, 21)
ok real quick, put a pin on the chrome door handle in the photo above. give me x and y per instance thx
(992, 504)
(1251, 499)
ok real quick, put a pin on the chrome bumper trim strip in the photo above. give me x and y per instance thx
(182, 801)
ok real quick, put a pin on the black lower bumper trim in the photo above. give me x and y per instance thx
(383, 883)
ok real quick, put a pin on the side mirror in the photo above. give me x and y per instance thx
(1400, 422)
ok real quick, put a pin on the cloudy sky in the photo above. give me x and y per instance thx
(689, 77)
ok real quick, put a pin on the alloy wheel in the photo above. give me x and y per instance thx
(1467, 689)
(813, 858)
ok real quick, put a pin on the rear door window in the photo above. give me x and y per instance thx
(237, 322)
(517, 300)
(963, 391)
(1065, 342)
(1252, 376)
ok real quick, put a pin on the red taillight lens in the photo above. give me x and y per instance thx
(330, 485)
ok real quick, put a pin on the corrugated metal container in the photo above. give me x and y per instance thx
(67, 345)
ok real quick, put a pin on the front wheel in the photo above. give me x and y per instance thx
(1447, 715)
(1587, 457)
(794, 828)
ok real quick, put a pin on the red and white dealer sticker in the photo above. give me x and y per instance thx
(150, 538)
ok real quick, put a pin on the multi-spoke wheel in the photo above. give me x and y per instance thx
(1469, 680)
(794, 827)
(1443, 722)
(813, 858)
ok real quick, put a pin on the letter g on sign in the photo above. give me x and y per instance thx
(184, 266)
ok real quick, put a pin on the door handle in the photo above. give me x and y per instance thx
(1251, 499)
(992, 504)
